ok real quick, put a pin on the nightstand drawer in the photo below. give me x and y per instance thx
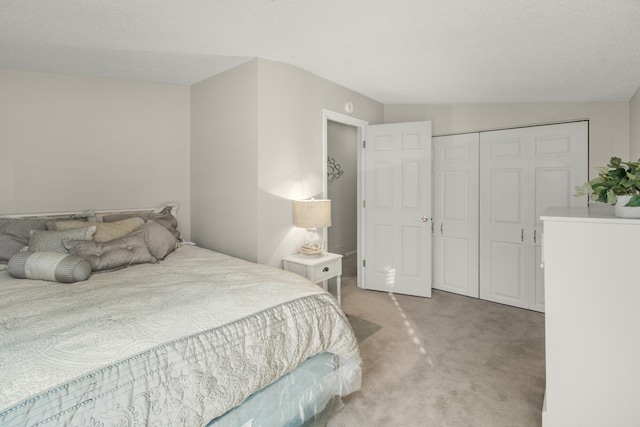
(317, 269)
(326, 271)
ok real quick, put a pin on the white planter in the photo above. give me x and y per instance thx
(623, 211)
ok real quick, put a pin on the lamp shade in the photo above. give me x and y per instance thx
(312, 213)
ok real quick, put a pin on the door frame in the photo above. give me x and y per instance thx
(361, 129)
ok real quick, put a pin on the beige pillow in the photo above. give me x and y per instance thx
(159, 240)
(104, 231)
(162, 215)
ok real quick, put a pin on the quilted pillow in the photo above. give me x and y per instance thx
(159, 240)
(116, 253)
(52, 266)
(52, 241)
(104, 232)
(14, 234)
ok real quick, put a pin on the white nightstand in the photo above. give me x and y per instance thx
(316, 269)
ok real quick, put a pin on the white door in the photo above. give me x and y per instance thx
(455, 213)
(397, 208)
(504, 203)
(523, 172)
(559, 164)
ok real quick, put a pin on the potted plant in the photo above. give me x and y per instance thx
(617, 184)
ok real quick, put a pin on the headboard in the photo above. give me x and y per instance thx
(95, 216)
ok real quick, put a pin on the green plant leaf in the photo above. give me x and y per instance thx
(616, 179)
(614, 162)
(634, 202)
(583, 190)
(617, 173)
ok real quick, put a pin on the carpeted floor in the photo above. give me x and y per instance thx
(445, 361)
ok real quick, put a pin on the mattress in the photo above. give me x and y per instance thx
(308, 393)
(176, 343)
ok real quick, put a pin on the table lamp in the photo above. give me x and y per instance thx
(312, 214)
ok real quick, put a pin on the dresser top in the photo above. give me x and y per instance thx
(601, 213)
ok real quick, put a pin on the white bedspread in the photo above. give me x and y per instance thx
(174, 343)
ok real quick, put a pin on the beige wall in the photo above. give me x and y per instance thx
(608, 121)
(257, 146)
(634, 126)
(73, 143)
(224, 162)
(233, 150)
(290, 160)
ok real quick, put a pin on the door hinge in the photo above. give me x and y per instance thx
(364, 262)
(364, 204)
(364, 144)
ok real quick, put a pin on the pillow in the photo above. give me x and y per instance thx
(52, 266)
(121, 252)
(89, 216)
(14, 234)
(159, 240)
(163, 215)
(52, 241)
(104, 232)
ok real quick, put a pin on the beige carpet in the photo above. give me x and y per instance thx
(445, 361)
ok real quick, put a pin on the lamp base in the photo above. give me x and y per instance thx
(313, 244)
(311, 255)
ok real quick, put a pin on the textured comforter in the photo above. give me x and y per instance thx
(175, 343)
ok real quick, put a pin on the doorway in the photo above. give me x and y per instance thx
(342, 190)
(343, 137)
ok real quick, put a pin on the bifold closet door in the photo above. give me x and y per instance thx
(455, 215)
(523, 172)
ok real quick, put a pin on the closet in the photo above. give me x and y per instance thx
(490, 189)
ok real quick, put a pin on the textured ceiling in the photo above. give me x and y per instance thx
(394, 51)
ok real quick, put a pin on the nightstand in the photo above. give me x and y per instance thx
(316, 269)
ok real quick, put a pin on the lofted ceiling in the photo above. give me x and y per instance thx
(394, 51)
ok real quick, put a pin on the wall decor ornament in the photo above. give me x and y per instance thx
(334, 170)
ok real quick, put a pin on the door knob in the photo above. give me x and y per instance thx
(423, 219)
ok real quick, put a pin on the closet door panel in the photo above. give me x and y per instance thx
(560, 163)
(552, 188)
(545, 163)
(455, 254)
(507, 268)
(537, 291)
(455, 222)
(504, 202)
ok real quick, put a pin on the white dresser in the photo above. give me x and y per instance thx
(592, 321)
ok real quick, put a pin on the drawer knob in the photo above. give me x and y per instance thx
(324, 270)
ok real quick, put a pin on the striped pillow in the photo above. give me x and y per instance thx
(14, 234)
(51, 266)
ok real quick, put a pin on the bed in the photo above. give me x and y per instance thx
(198, 338)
